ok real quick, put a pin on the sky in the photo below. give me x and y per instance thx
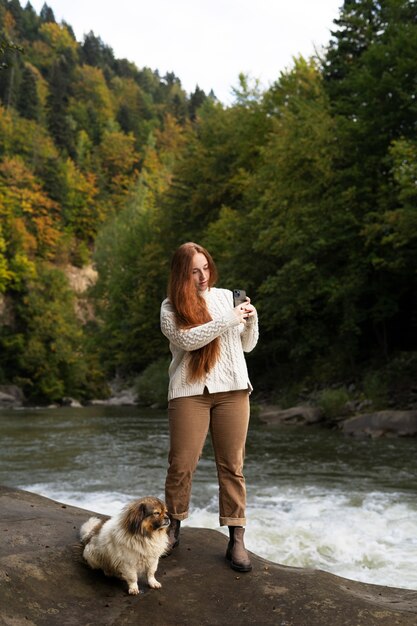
(205, 42)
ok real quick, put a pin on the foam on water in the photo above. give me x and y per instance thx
(367, 537)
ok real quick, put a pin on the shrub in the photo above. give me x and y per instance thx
(332, 402)
(152, 384)
(375, 388)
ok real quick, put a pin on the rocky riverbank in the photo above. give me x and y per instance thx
(44, 582)
(350, 421)
(371, 424)
(12, 397)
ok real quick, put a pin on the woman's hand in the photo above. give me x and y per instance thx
(250, 310)
(245, 310)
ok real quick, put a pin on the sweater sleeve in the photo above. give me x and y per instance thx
(250, 334)
(194, 338)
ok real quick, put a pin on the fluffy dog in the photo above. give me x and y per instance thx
(130, 544)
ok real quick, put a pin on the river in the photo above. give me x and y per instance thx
(315, 498)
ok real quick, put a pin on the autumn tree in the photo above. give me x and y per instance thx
(90, 104)
(31, 220)
(81, 212)
(131, 258)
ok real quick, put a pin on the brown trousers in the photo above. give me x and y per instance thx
(226, 415)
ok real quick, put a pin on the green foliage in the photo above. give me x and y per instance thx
(332, 402)
(28, 103)
(75, 123)
(44, 346)
(287, 396)
(5, 275)
(394, 381)
(302, 235)
(392, 233)
(7, 46)
(152, 384)
(375, 388)
(121, 250)
(304, 193)
(81, 211)
(132, 264)
(369, 72)
(214, 171)
(91, 104)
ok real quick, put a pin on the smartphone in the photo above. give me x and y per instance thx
(239, 296)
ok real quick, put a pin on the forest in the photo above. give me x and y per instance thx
(304, 192)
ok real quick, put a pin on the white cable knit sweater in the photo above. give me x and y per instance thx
(229, 372)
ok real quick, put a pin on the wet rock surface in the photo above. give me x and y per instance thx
(270, 414)
(382, 423)
(44, 581)
(11, 396)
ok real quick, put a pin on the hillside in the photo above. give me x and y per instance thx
(305, 194)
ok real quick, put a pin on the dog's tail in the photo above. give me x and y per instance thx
(90, 528)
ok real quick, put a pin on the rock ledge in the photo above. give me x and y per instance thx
(44, 581)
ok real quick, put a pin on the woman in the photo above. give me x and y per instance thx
(208, 390)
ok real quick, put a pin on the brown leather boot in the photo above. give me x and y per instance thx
(173, 536)
(236, 552)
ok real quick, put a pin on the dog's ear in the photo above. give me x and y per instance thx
(134, 518)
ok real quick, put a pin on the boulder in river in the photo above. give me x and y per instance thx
(270, 414)
(382, 423)
(11, 396)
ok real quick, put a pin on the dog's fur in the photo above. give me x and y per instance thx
(130, 544)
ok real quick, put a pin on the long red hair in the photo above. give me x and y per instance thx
(190, 307)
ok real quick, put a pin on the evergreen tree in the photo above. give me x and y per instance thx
(96, 53)
(221, 152)
(30, 23)
(46, 14)
(15, 9)
(69, 28)
(370, 74)
(28, 103)
(11, 79)
(357, 27)
(59, 121)
(197, 99)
